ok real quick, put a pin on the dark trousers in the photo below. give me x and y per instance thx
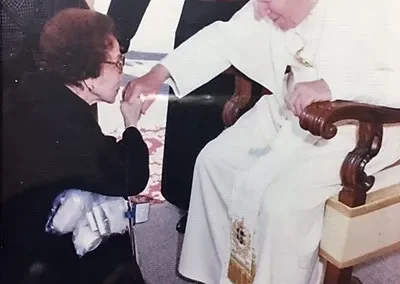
(127, 15)
(56, 262)
(30, 255)
(196, 119)
(192, 122)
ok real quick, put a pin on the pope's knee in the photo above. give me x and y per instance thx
(279, 204)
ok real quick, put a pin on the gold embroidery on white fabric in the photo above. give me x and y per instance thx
(241, 269)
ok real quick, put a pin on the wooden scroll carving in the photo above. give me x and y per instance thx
(320, 119)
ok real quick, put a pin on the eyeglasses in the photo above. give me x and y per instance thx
(119, 63)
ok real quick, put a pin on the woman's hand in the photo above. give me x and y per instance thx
(131, 111)
(146, 86)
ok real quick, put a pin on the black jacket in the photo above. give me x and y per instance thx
(52, 142)
(51, 139)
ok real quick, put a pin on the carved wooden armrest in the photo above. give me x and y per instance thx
(240, 98)
(319, 119)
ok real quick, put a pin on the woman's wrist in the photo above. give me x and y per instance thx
(131, 123)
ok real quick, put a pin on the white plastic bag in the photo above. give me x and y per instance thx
(89, 216)
(84, 238)
(68, 208)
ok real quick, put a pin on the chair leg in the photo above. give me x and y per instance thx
(335, 275)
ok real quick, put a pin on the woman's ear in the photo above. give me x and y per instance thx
(89, 84)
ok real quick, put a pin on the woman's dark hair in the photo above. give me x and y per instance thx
(74, 44)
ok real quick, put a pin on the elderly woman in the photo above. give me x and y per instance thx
(52, 142)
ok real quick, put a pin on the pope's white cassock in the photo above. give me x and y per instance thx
(259, 189)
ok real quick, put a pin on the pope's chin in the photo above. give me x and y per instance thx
(284, 25)
(284, 28)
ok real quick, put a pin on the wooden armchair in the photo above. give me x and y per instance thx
(356, 223)
(356, 226)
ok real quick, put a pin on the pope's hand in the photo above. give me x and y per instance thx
(306, 93)
(146, 86)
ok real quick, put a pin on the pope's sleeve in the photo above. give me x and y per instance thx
(204, 56)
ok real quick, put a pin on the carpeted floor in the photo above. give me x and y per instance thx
(158, 257)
